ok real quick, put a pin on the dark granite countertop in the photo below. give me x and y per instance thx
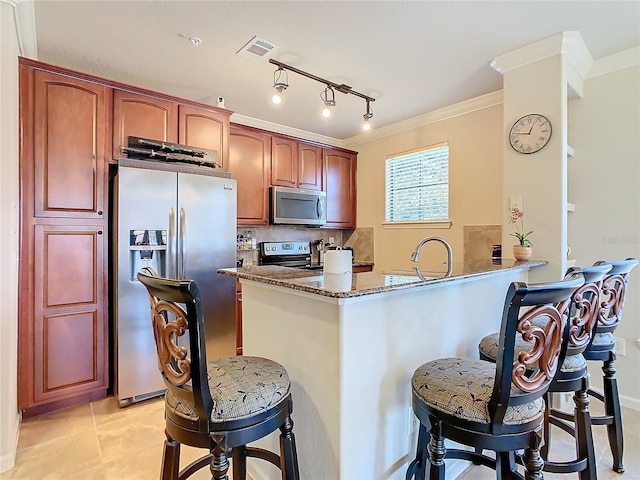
(368, 283)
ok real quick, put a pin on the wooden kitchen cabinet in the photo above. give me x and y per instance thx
(63, 291)
(143, 116)
(68, 121)
(202, 128)
(295, 164)
(284, 162)
(309, 166)
(250, 164)
(69, 322)
(340, 185)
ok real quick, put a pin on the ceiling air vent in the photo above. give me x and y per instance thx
(256, 48)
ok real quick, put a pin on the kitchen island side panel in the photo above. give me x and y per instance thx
(351, 360)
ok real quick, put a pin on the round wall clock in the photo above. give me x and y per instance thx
(530, 133)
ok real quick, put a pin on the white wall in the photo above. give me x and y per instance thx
(9, 418)
(604, 183)
(475, 183)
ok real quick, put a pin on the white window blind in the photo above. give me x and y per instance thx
(417, 185)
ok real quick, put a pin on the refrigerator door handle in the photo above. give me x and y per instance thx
(182, 252)
(173, 245)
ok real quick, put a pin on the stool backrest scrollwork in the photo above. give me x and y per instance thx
(175, 309)
(586, 307)
(525, 377)
(613, 294)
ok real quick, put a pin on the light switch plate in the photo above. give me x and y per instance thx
(621, 347)
(516, 202)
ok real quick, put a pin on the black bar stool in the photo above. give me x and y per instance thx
(498, 406)
(602, 348)
(220, 405)
(572, 376)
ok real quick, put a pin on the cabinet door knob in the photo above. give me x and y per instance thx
(99, 212)
(99, 232)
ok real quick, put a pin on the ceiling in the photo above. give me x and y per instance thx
(411, 56)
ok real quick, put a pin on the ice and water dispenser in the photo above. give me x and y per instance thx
(147, 248)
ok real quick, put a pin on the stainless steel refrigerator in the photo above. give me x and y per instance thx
(184, 226)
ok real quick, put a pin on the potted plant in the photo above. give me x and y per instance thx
(522, 250)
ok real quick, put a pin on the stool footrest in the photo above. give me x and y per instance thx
(263, 454)
(194, 466)
(595, 394)
(570, 429)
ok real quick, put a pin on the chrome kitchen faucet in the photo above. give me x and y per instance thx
(415, 256)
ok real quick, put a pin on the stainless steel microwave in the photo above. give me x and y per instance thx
(298, 206)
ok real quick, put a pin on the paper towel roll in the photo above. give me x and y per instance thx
(337, 282)
(337, 261)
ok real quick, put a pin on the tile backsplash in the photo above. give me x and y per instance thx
(360, 239)
(479, 241)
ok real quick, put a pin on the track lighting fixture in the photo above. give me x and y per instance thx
(329, 99)
(280, 83)
(366, 125)
(327, 95)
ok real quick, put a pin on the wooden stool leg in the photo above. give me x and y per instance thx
(505, 465)
(170, 459)
(219, 462)
(584, 439)
(547, 427)
(239, 458)
(612, 408)
(533, 462)
(288, 453)
(421, 460)
(436, 450)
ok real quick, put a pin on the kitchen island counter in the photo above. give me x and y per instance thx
(369, 283)
(350, 355)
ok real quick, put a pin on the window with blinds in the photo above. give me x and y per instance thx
(417, 185)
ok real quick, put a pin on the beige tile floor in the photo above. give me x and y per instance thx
(99, 441)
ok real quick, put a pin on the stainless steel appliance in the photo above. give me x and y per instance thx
(285, 254)
(297, 206)
(184, 226)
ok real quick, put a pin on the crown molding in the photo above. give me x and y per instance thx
(25, 23)
(618, 61)
(293, 132)
(451, 111)
(568, 43)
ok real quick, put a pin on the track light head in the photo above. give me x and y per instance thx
(280, 83)
(366, 124)
(329, 99)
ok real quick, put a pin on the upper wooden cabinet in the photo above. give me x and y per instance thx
(69, 124)
(295, 164)
(204, 129)
(284, 162)
(340, 185)
(164, 120)
(309, 166)
(142, 116)
(249, 163)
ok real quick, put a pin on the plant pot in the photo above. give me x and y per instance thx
(522, 253)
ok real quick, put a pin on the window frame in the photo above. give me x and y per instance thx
(427, 224)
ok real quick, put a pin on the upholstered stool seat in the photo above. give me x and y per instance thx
(499, 406)
(240, 387)
(462, 388)
(222, 404)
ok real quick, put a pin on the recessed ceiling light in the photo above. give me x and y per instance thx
(195, 40)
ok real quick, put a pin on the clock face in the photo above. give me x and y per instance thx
(530, 133)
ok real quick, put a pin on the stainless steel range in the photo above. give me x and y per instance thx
(285, 254)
